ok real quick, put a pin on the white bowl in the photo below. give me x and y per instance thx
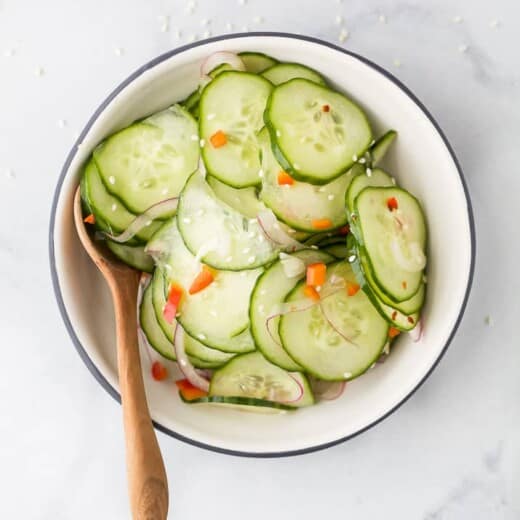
(422, 161)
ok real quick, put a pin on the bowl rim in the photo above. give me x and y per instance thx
(133, 76)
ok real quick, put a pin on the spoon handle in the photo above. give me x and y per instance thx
(147, 482)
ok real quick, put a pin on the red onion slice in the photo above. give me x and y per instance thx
(273, 231)
(145, 219)
(292, 265)
(417, 332)
(327, 390)
(218, 58)
(297, 397)
(189, 371)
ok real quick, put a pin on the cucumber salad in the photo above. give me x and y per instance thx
(279, 259)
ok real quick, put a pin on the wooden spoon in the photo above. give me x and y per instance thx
(147, 482)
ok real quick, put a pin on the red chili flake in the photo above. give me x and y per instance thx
(410, 319)
(326, 108)
(392, 204)
(344, 230)
(404, 284)
(394, 315)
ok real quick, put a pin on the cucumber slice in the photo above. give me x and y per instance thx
(311, 144)
(300, 204)
(110, 213)
(233, 103)
(211, 356)
(282, 72)
(310, 340)
(270, 290)
(134, 256)
(377, 178)
(245, 404)
(150, 161)
(256, 62)
(392, 239)
(215, 315)
(338, 251)
(191, 103)
(219, 235)
(381, 146)
(395, 317)
(251, 375)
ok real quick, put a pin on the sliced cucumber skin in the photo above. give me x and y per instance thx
(227, 163)
(248, 249)
(134, 256)
(380, 148)
(413, 283)
(225, 380)
(307, 174)
(300, 204)
(401, 321)
(238, 401)
(257, 62)
(191, 103)
(283, 72)
(331, 364)
(338, 251)
(161, 175)
(276, 286)
(378, 178)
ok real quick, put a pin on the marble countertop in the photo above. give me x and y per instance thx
(451, 452)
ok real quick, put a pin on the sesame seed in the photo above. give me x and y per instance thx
(39, 71)
(261, 238)
(373, 365)
(331, 197)
(202, 143)
(368, 171)
(186, 220)
(382, 18)
(362, 160)
(314, 247)
(114, 207)
(318, 288)
(213, 312)
(164, 191)
(322, 189)
(191, 38)
(338, 20)
(194, 137)
(261, 173)
(297, 166)
(119, 51)
(463, 48)
(291, 231)
(149, 223)
(209, 117)
(245, 28)
(201, 336)
(354, 158)
(373, 142)
(258, 19)
(261, 308)
(243, 274)
(229, 259)
(352, 258)
(456, 19)
(183, 362)
(62, 123)
(246, 250)
(263, 292)
(494, 24)
(251, 234)
(204, 22)
(343, 35)
(165, 27)
(200, 212)
(397, 63)
(206, 34)
(393, 181)
(276, 225)
(251, 260)
(346, 375)
(112, 179)
(229, 26)
(177, 34)
(278, 133)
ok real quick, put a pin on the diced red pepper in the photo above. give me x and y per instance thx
(311, 293)
(345, 230)
(392, 204)
(91, 219)
(218, 139)
(352, 288)
(189, 391)
(393, 332)
(173, 302)
(202, 280)
(394, 315)
(404, 284)
(326, 108)
(410, 319)
(322, 223)
(159, 371)
(316, 274)
(284, 179)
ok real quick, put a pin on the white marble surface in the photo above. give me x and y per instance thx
(451, 452)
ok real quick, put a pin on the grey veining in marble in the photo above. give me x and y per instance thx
(452, 452)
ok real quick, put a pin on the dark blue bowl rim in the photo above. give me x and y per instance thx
(54, 275)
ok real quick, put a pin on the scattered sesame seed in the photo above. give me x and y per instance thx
(343, 35)
(260, 173)
(201, 336)
(386, 349)
(112, 179)
(355, 158)
(261, 307)
(393, 181)
(204, 22)
(362, 160)
(62, 123)
(352, 258)
(322, 189)
(200, 212)
(164, 191)
(456, 19)
(186, 220)
(331, 197)
(263, 292)
(373, 365)
(251, 260)
(291, 231)
(346, 375)
(318, 288)
(382, 18)
(397, 63)
(278, 133)
(183, 362)
(246, 250)
(39, 72)
(213, 312)
(338, 20)
(119, 51)
(202, 143)
(229, 259)
(251, 234)
(165, 27)
(373, 142)
(149, 223)
(314, 247)
(494, 24)
(368, 171)
(206, 34)
(243, 274)
(488, 320)
(194, 137)
(191, 38)
(463, 48)
(177, 34)
(296, 166)
(114, 207)
(261, 238)
(245, 28)
(276, 225)
(258, 19)
(229, 26)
